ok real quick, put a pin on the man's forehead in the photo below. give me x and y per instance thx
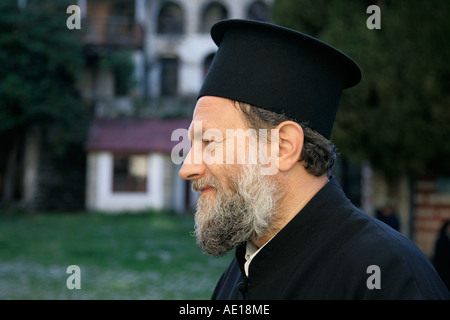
(215, 113)
(212, 101)
(213, 107)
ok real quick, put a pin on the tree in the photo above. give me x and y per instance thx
(398, 116)
(40, 63)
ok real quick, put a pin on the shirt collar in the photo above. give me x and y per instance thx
(312, 222)
(251, 250)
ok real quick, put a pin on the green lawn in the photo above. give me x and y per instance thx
(125, 256)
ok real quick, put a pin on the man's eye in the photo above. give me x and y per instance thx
(206, 141)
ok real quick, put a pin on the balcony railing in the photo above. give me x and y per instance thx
(113, 32)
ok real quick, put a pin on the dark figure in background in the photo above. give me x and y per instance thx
(442, 253)
(388, 215)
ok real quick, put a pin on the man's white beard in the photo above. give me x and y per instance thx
(226, 218)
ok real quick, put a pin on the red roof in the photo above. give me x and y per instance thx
(134, 135)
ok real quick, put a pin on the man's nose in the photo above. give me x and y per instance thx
(192, 170)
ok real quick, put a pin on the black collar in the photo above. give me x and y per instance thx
(313, 223)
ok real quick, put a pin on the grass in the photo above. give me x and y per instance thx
(125, 256)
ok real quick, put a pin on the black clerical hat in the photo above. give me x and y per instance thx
(279, 69)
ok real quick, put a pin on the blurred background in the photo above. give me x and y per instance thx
(86, 117)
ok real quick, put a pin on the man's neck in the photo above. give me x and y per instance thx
(299, 191)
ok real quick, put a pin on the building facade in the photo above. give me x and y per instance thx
(168, 43)
(178, 45)
(129, 166)
(169, 49)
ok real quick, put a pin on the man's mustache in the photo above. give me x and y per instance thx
(200, 184)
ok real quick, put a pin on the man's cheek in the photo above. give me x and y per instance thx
(214, 153)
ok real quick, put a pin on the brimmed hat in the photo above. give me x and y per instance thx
(280, 70)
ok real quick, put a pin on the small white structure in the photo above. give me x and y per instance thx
(129, 167)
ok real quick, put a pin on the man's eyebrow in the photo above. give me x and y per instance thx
(204, 129)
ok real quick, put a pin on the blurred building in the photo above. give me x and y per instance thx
(130, 166)
(147, 60)
(167, 43)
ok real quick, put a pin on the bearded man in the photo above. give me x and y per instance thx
(296, 234)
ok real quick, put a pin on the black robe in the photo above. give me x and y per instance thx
(324, 253)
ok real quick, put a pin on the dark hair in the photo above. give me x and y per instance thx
(318, 154)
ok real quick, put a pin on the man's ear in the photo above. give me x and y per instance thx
(290, 144)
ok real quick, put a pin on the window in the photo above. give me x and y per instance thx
(170, 19)
(169, 76)
(123, 8)
(121, 20)
(130, 173)
(258, 10)
(213, 12)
